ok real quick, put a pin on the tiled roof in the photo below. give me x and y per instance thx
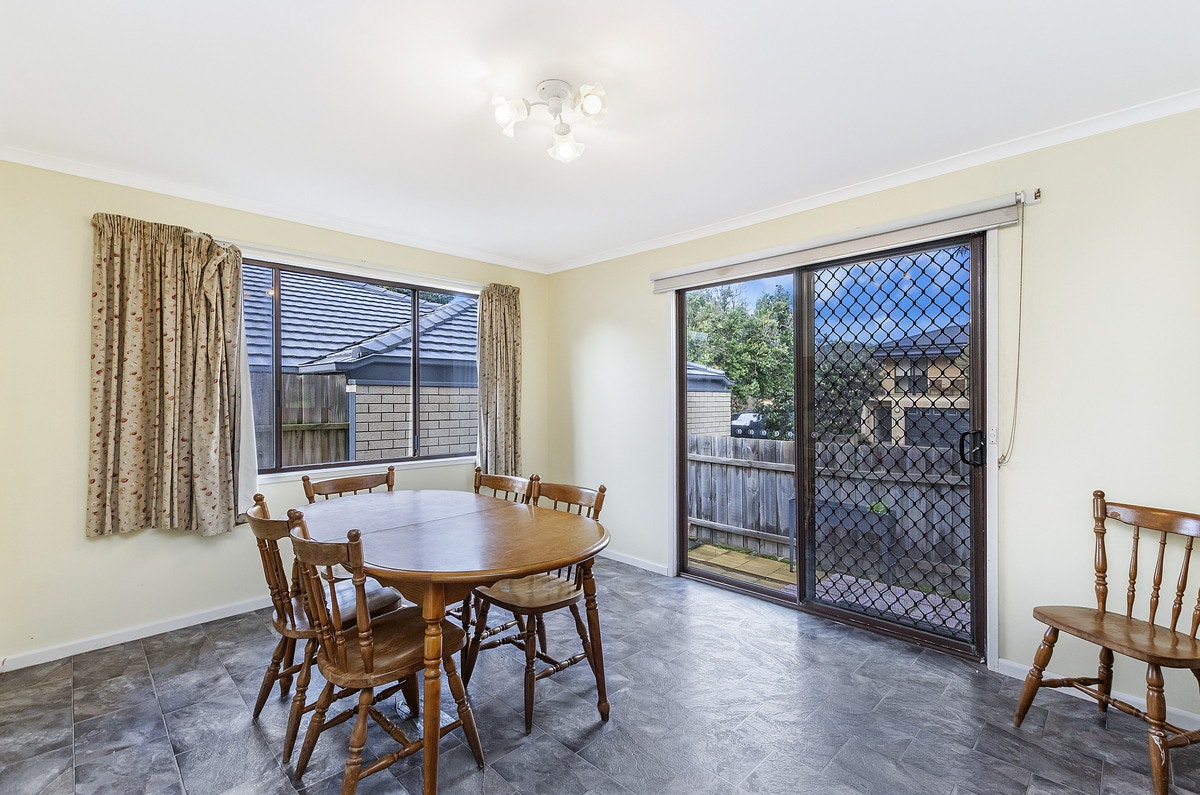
(329, 322)
(947, 341)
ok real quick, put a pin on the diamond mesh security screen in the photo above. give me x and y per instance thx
(887, 508)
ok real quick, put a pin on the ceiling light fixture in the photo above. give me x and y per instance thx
(589, 104)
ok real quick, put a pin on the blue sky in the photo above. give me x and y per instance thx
(887, 299)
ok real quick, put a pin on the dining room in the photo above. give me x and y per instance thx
(132, 660)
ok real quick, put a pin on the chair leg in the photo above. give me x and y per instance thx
(481, 614)
(270, 676)
(465, 614)
(531, 624)
(358, 739)
(581, 630)
(411, 689)
(541, 633)
(293, 727)
(1033, 679)
(315, 723)
(1105, 675)
(465, 618)
(588, 583)
(289, 657)
(464, 708)
(1156, 716)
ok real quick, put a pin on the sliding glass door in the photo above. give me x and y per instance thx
(830, 453)
(739, 432)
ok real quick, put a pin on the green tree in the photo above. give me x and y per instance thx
(845, 376)
(754, 348)
(424, 295)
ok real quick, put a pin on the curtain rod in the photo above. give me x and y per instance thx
(350, 267)
(975, 216)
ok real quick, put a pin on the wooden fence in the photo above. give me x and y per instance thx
(740, 492)
(316, 419)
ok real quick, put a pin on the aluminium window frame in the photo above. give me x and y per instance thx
(276, 266)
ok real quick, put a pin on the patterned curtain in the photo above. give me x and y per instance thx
(500, 379)
(167, 420)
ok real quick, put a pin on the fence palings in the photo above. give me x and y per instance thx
(739, 490)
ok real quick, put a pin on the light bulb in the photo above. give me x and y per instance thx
(591, 102)
(565, 148)
(509, 112)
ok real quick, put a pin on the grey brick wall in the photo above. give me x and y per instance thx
(708, 413)
(383, 418)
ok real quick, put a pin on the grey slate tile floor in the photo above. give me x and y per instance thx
(711, 693)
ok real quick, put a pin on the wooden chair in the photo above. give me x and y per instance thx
(529, 599)
(337, 487)
(505, 487)
(1158, 645)
(376, 657)
(291, 619)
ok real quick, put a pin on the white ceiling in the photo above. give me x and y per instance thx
(375, 117)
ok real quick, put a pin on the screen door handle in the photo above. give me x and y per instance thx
(972, 448)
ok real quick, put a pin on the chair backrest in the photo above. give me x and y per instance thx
(572, 499)
(1163, 522)
(505, 487)
(267, 532)
(322, 566)
(336, 487)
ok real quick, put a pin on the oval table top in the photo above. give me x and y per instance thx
(455, 536)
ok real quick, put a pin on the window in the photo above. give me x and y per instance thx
(339, 373)
(912, 376)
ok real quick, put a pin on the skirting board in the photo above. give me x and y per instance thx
(95, 642)
(635, 562)
(1182, 719)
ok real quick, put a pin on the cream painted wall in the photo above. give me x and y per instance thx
(1109, 379)
(63, 592)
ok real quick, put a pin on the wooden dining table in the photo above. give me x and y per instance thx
(435, 546)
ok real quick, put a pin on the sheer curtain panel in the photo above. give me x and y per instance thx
(167, 421)
(500, 379)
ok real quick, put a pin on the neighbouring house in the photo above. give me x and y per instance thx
(924, 394)
(709, 400)
(346, 352)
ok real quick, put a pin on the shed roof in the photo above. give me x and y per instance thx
(701, 378)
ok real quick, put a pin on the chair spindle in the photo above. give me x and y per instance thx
(1131, 589)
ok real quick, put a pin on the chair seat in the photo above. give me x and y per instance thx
(539, 592)
(1132, 637)
(380, 599)
(399, 645)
